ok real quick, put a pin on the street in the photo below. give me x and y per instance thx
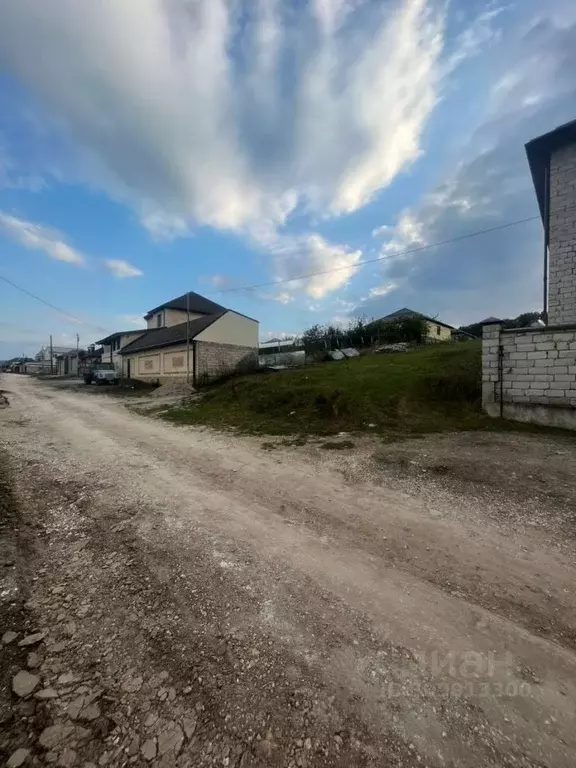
(205, 601)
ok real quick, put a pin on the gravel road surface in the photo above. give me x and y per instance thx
(186, 598)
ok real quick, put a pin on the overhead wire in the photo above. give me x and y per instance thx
(386, 257)
(307, 276)
(53, 306)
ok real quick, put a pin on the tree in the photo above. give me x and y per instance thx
(361, 333)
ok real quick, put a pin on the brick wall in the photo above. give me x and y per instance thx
(562, 266)
(215, 360)
(530, 373)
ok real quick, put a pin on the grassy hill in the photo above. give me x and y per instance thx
(429, 389)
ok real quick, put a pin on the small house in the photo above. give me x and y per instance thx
(436, 329)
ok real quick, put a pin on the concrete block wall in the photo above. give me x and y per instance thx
(562, 237)
(216, 360)
(529, 374)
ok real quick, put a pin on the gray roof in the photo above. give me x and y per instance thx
(197, 304)
(539, 151)
(405, 312)
(175, 334)
(115, 335)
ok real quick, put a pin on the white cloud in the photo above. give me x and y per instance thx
(204, 124)
(283, 297)
(382, 290)
(269, 335)
(121, 268)
(11, 177)
(499, 273)
(344, 304)
(40, 238)
(341, 321)
(295, 256)
(406, 234)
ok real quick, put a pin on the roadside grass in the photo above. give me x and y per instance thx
(436, 388)
(429, 389)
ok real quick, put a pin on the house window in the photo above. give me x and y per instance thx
(159, 320)
(178, 362)
(438, 330)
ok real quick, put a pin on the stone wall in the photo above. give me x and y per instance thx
(214, 360)
(562, 237)
(529, 374)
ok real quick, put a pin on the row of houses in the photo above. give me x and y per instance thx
(187, 337)
(192, 337)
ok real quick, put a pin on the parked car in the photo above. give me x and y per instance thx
(102, 373)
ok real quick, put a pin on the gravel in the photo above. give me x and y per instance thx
(204, 602)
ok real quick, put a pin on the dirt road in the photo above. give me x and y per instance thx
(208, 602)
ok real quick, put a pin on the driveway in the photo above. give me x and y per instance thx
(205, 601)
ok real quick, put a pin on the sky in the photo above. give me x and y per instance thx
(277, 156)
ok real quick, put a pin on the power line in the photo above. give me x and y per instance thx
(53, 306)
(382, 258)
(254, 287)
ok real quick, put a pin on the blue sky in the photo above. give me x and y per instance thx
(153, 147)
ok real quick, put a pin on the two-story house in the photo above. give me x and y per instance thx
(190, 337)
(112, 344)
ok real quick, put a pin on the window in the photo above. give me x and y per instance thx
(438, 330)
(178, 362)
(159, 320)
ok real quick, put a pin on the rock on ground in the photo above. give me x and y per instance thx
(24, 683)
(18, 758)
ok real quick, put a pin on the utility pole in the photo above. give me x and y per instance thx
(51, 357)
(187, 337)
(77, 355)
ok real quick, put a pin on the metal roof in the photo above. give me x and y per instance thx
(405, 312)
(278, 343)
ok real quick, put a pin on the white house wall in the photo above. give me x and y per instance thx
(232, 328)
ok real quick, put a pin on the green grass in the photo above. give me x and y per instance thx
(430, 389)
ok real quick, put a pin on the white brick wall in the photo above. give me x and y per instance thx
(537, 368)
(562, 263)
